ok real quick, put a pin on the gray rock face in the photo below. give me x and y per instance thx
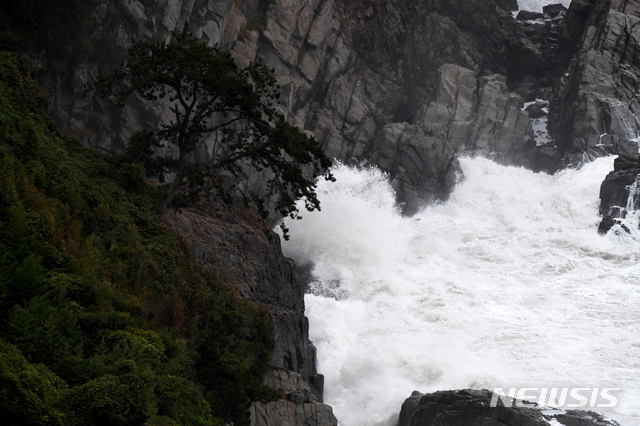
(479, 115)
(616, 189)
(472, 408)
(347, 69)
(596, 108)
(299, 406)
(421, 164)
(243, 252)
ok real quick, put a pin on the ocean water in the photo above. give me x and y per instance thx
(537, 5)
(507, 284)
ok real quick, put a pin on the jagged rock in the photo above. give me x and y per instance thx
(299, 406)
(614, 191)
(472, 408)
(609, 222)
(242, 251)
(509, 5)
(537, 110)
(595, 108)
(409, 406)
(544, 32)
(547, 159)
(346, 69)
(423, 165)
(553, 10)
(479, 115)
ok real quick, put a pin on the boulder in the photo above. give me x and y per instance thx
(553, 10)
(614, 191)
(472, 408)
(537, 109)
(425, 167)
(509, 5)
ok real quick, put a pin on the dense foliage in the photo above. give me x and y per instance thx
(105, 317)
(208, 94)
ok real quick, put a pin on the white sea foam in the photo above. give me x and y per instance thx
(507, 284)
(537, 5)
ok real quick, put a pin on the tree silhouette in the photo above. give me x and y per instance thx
(208, 94)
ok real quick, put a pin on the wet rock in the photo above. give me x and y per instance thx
(299, 405)
(240, 248)
(409, 406)
(525, 15)
(472, 408)
(609, 222)
(595, 108)
(553, 10)
(479, 115)
(424, 166)
(614, 191)
(509, 5)
(537, 109)
(547, 159)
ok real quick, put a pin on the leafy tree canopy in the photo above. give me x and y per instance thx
(208, 94)
(106, 317)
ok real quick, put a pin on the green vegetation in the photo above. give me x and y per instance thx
(208, 94)
(105, 317)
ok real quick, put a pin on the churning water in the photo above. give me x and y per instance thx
(537, 5)
(507, 284)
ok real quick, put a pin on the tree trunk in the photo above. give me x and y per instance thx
(180, 175)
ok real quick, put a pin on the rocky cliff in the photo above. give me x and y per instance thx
(365, 76)
(241, 249)
(405, 85)
(353, 73)
(595, 108)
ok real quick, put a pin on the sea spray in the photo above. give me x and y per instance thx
(507, 284)
(537, 5)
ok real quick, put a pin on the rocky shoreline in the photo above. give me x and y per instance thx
(473, 407)
(402, 85)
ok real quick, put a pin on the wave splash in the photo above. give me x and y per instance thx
(507, 284)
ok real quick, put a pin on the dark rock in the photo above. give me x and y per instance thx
(472, 408)
(408, 407)
(525, 15)
(537, 110)
(547, 159)
(299, 405)
(553, 10)
(614, 191)
(626, 162)
(606, 224)
(240, 248)
(479, 115)
(597, 95)
(422, 164)
(508, 5)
